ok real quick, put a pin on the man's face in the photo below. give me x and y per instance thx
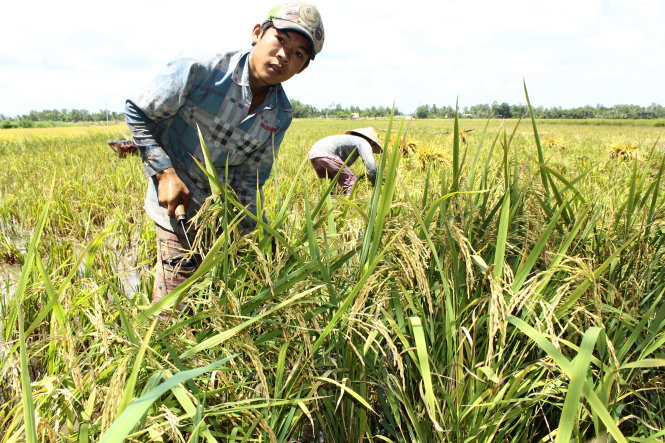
(276, 56)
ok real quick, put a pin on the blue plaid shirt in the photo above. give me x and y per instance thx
(214, 94)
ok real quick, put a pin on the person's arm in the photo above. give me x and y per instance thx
(162, 100)
(365, 153)
(171, 191)
(143, 131)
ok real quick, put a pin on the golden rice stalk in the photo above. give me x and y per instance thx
(246, 343)
(114, 393)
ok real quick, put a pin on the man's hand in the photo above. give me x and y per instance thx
(171, 191)
(370, 177)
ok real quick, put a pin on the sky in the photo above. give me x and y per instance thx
(76, 54)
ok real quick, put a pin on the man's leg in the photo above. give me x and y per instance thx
(173, 267)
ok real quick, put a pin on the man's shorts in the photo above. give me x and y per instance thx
(328, 167)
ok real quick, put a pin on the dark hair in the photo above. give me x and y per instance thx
(264, 27)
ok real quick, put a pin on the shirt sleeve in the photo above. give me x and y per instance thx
(161, 100)
(143, 131)
(365, 152)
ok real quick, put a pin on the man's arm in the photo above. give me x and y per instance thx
(365, 152)
(171, 191)
(162, 100)
(143, 131)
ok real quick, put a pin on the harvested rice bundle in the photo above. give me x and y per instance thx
(624, 151)
(427, 154)
(555, 143)
(406, 146)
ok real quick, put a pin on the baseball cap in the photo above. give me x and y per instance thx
(301, 17)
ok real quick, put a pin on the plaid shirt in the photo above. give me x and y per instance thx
(213, 94)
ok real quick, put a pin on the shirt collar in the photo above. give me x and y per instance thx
(241, 71)
(276, 95)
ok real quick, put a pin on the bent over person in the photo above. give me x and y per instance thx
(237, 101)
(329, 155)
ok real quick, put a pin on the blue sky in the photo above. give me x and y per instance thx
(93, 55)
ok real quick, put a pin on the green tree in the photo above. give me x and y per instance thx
(501, 110)
(422, 111)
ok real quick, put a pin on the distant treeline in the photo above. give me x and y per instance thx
(49, 116)
(495, 110)
(300, 110)
(505, 110)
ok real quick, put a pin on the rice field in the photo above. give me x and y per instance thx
(504, 281)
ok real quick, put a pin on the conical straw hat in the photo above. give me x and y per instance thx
(370, 135)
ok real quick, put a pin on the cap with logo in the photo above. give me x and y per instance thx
(301, 17)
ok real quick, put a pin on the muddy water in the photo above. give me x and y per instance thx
(130, 279)
(9, 275)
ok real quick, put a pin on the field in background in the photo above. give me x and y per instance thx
(497, 285)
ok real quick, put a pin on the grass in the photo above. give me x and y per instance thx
(512, 293)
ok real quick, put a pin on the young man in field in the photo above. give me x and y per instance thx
(329, 154)
(237, 101)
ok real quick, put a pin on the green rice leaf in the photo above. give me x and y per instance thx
(137, 365)
(348, 390)
(424, 367)
(567, 367)
(525, 268)
(572, 403)
(539, 147)
(19, 295)
(125, 424)
(209, 169)
(218, 339)
(644, 363)
(502, 236)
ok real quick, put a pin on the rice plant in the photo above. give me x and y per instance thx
(511, 293)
